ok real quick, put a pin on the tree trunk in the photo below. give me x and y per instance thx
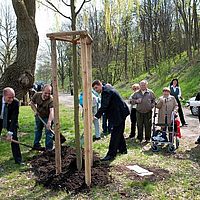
(126, 50)
(196, 26)
(20, 74)
(76, 101)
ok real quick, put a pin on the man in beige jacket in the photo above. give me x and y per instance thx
(145, 101)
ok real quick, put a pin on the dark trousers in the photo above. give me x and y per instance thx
(14, 147)
(180, 112)
(133, 122)
(117, 141)
(144, 119)
(199, 121)
(107, 127)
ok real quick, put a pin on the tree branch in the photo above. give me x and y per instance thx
(84, 1)
(20, 9)
(66, 3)
(55, 9)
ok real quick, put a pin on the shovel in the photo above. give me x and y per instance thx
(17, 142)
(62, 138)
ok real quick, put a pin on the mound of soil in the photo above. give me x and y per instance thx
(70, 179)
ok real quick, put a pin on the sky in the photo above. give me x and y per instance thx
(48, 21)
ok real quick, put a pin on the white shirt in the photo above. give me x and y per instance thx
(1, 116)
(174, 88)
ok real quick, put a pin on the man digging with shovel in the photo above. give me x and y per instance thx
(43, 101)
(9, 111)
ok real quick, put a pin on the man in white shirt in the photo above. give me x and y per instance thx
(9, 109)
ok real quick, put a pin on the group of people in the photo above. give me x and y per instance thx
(9, 108)
(107, 103)
(142, 101)
(96, 104)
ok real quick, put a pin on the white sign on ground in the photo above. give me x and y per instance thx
(139, 170)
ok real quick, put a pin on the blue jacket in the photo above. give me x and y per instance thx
(113, 105)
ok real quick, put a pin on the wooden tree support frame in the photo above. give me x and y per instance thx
(85, 40)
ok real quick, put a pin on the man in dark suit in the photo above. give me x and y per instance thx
(117, 111)
(9, 111)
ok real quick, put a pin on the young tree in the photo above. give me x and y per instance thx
(75, 10)
(7, 37)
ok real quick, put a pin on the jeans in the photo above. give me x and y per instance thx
(38, 134)
(96, 128)
(106, 127)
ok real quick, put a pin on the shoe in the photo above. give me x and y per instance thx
(20, 163)
(95, 139)
(39, 148)
(103, 134)
(47, 149)
(131, 137)
(139, 141)
(146, 142)
(184, 125)
(107, 133)
(197, 142)
(107, 158)
(123, 152)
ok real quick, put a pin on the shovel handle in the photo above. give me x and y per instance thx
(17, 142)
(33, 107)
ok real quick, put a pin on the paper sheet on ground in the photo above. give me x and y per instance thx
(139, 170)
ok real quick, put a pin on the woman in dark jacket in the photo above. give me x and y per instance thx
(175, 91)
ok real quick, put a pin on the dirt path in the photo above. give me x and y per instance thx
(190, 133)
(66, 99)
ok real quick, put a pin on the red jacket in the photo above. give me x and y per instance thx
(178, 129)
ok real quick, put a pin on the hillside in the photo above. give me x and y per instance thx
(188, 75)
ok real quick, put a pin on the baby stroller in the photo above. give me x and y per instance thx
(165, 134)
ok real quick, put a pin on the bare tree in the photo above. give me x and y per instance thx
(63, 62)
(7, 37)
(185, 9)
(43, 70)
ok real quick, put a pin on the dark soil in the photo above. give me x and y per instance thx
(158, 173)
(70, 179)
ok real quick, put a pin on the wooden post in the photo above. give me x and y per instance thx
(86, 110)
(56, 107)
(89, 66)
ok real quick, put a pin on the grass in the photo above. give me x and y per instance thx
(182, 180)
(161, 76)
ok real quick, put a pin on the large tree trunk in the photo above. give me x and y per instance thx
(20, 74)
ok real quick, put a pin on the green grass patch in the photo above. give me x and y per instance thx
(182, 181)
(161, 76)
